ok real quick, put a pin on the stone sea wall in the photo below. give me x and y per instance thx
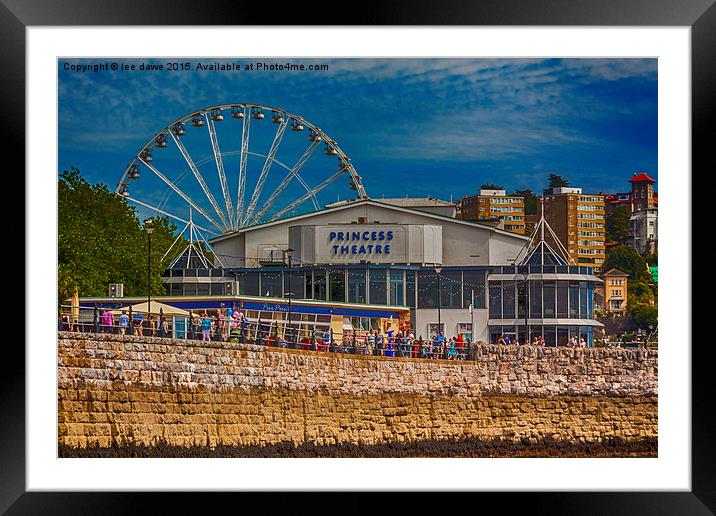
(124, 390)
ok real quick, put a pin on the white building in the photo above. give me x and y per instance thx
(447, 271)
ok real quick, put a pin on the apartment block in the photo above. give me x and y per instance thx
(494, 206)
(578, 221)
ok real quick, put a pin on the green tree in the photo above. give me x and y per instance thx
(555, 181)
(626, 259)
(645, 316)
(531, 200)
(618, 228)
(490, 186)
(101, 241)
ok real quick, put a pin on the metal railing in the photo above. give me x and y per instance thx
(272, 333)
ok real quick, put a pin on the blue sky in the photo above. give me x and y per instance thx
(415, 127)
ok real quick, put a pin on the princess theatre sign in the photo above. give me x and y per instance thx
(372, 243)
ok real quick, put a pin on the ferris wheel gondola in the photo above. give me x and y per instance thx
(238, 200)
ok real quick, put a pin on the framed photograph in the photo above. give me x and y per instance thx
(241, 241)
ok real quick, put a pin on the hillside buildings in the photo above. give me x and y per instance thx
(644, 217)
(578, 220)
(508, 211)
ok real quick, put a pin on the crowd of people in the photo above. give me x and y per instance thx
(232, 325)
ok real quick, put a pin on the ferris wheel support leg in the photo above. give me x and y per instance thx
(170, 215)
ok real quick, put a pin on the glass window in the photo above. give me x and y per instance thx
(562, 336)
(508, 299)
(410, 290)
(427, 289)
(562, 298)
(451, 291)
(522, 290)
(202, 289)
(573, 299)
(535, 299)
(356, 286)
(548, 293)
(175, 289)
(309, 285)
(583, 294)
(378, 286)
(248, 283)
(496, 299)
(337, 280)
(550, 335)
(202, 273)
(473, 281)
(590, 300)
(189, 289)
(396, 288)
(272, 284)
(319, 285)
(217, 289)
(295, 284)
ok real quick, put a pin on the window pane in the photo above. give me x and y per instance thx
(451, 294)
(248, 283)
(536, 299)
(410, 289)
(508, 299)
(189, 289)
(562, 298)
(309, 284)
(271, 284)
(550, 336)
(427, 289)
(356, 285)
(496, 300)
(337, 279)
(473, 281)
(378, 287)
(548, 299)
(295, 283)
(573, 299)
(202, 289)
(396, 288)
(319, 285)
(217, 289)
(583, 294)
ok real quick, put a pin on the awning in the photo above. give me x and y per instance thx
(154, 309)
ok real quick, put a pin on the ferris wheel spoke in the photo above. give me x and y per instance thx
(265, 170)
(308, 194)
(293, 172)
(219, 166)
(245, 129)
(199, 178)
(171, 215)
(181, 194)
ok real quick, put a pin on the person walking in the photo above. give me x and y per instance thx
(107, 321)
(123, 322)
(205, 327)
(138, 324)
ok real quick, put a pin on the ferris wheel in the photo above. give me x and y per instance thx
(184, 169)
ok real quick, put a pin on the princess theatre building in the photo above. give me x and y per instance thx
(449, 275)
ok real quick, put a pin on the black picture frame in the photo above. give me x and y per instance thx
(700, 15)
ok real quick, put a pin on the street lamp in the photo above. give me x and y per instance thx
(440, 299)
(149, 228)
(289, 255)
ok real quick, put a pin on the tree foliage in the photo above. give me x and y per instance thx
(490, 186)
(531, 200)
(645, 316)
(627, 260)
(101, 241)
(555, 181)
(618, 228)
